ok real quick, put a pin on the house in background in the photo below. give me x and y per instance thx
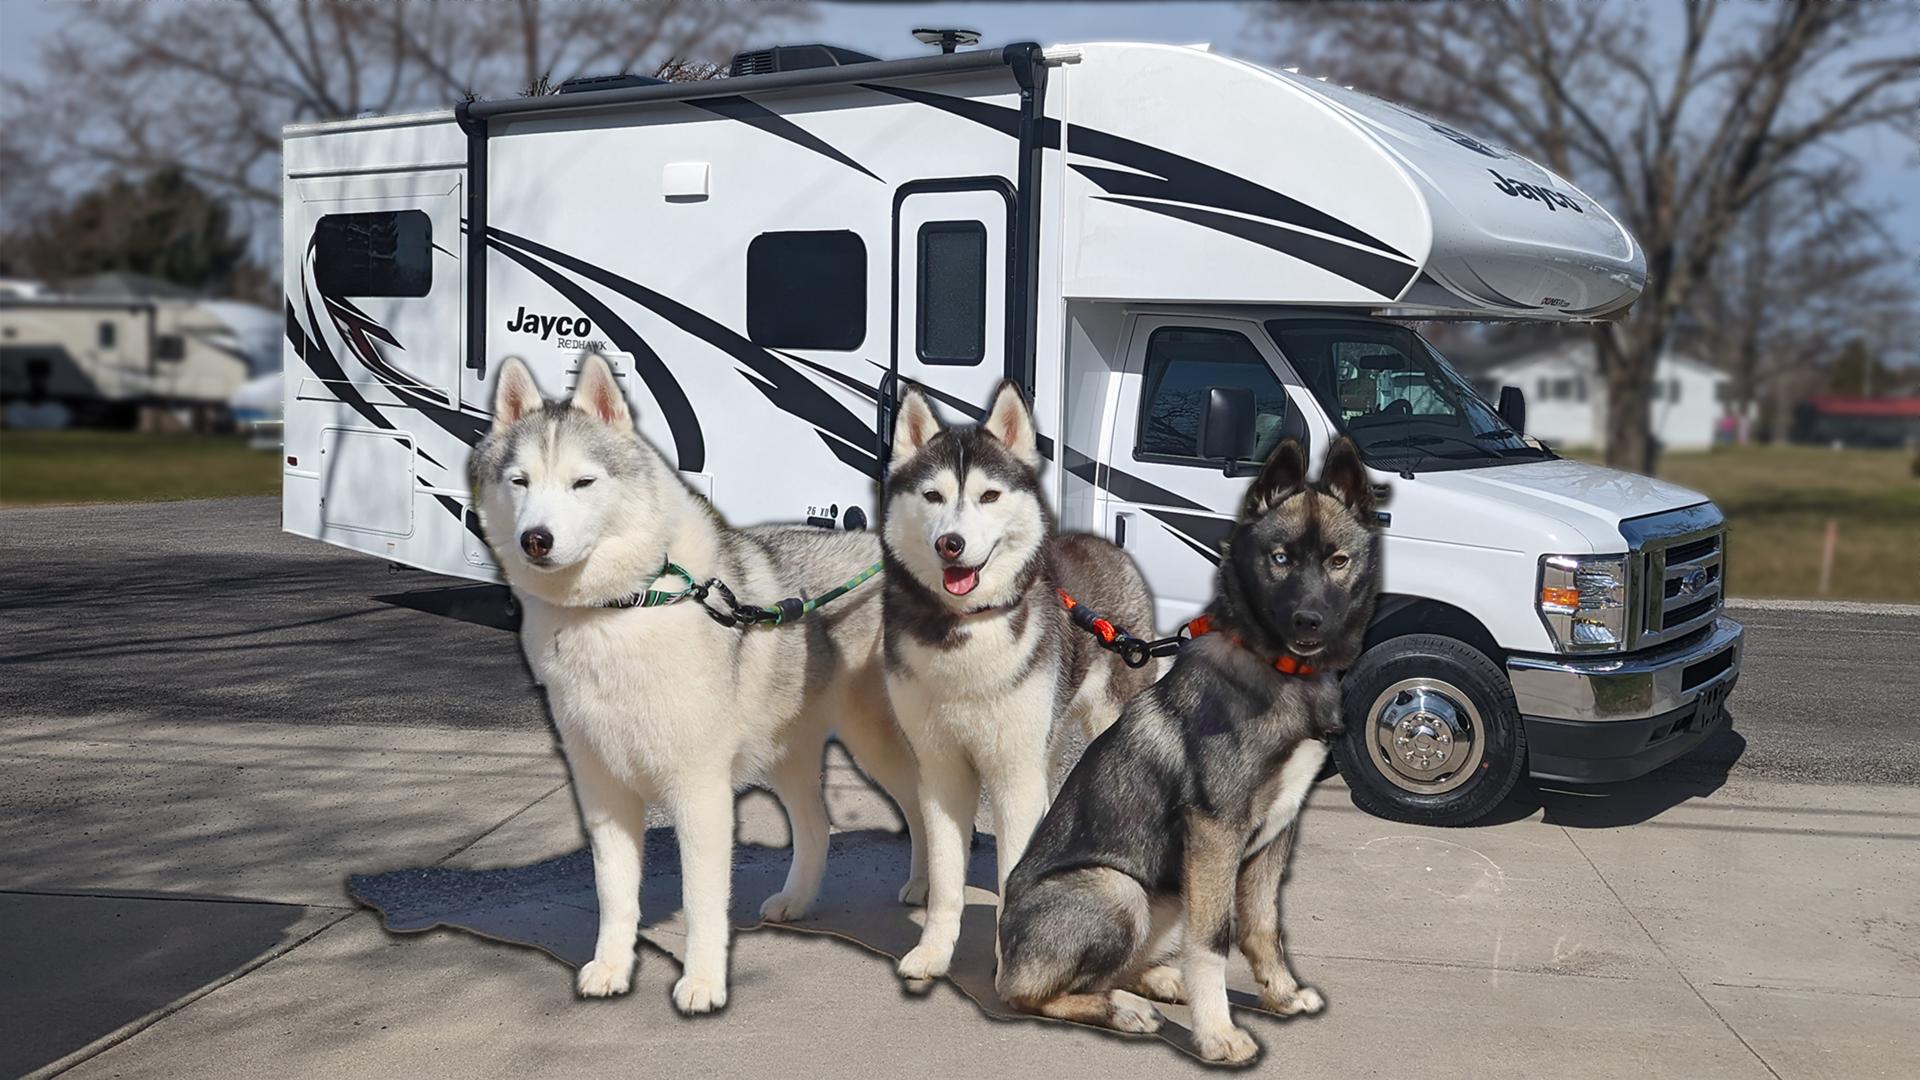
(1567, 399)
(118, 350)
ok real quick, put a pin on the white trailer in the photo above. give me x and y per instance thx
(1142, 235)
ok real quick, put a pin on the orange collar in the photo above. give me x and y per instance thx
(1287, 664)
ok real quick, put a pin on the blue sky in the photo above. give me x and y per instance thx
(883, 29)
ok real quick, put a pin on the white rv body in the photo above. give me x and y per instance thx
(754, 255)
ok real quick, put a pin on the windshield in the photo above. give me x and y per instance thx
(1398, 398)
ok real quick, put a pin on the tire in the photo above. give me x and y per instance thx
(1454, 744)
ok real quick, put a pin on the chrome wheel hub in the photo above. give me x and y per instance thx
(1425, 736)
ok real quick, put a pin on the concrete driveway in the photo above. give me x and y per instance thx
(206, 725)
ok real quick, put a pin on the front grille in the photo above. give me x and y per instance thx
(1680, 558)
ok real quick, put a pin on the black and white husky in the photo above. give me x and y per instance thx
(661, 705)
(1172, 833)
(982, 660)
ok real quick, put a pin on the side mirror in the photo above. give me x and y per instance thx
(1226, 427)
(1513, 409)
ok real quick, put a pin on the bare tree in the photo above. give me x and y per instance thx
(1803, 272)
(1679, 117)
(130, 88)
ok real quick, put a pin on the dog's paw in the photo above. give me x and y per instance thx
(914, 892)
(1162, 983)
(604, 978)
(1304, 1000)
(925, 962)
(1133, 1015)
(784, 907)
(1228, 1046)
(695, 994)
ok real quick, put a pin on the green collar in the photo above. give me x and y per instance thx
(658, 597)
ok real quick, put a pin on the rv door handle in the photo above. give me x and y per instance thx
(1120, 530)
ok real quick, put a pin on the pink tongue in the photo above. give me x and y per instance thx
(960, 581)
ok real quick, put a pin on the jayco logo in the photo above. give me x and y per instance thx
(528, 322)
(1520, 189)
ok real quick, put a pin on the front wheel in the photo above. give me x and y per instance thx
(1433, 735)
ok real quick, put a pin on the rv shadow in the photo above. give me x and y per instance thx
(81, 967)
(1698, 775)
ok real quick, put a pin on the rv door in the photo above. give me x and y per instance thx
(951, 266)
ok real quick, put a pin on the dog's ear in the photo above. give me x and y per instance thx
(514, 394)
(1284, 473)
(915, 426)
(1009, 421)
(1345, 476)
(597, 393)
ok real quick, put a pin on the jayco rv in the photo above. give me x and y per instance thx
(1181, 256)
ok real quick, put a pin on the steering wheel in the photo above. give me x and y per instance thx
(1398, 407)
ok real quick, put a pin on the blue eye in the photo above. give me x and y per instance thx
(1279, 558)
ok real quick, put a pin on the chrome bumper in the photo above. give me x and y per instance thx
(1634, 687)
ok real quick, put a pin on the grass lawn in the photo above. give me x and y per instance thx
(38, 467)
(1778, 501)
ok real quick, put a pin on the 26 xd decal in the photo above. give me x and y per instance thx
(573, 329)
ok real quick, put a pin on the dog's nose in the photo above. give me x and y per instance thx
(950, 546)
(1306, 622)
(537, 542)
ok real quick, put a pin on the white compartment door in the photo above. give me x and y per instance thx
(381, 280)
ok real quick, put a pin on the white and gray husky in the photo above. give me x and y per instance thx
(982, 659)
(662, 705)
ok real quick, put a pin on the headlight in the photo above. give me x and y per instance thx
(1583, 601)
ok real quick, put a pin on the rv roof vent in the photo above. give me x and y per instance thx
(947, 38)
(581, 84)
(793, 58)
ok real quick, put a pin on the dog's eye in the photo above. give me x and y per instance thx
(519, 481)
(989, 496)
(1338, 560)
(1279, 558)
(935, 497)
(585, 481)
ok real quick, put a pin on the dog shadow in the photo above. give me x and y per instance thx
(550, 906)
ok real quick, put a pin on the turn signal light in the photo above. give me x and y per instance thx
(1564, 598)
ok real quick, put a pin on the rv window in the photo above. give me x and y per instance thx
(383, 253)
(1182, 362)
(807, 290)
(169, 347)
(108, 335)
(952, 300)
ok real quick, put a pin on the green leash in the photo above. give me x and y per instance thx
(736, 613)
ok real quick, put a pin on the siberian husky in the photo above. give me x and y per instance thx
(662, 705)
(1174, 829)
(982, 659)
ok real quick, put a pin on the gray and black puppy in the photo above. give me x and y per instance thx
(1175, 827)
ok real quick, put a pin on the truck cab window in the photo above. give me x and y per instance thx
(1182, 362)
(1398, 398)
(380, 253)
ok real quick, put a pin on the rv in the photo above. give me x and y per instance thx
(116, 351)
(1180, 256)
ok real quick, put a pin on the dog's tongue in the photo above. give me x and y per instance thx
(961, 580)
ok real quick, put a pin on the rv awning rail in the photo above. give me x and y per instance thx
(1011, 56)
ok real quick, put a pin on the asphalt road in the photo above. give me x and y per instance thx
(205, 609)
